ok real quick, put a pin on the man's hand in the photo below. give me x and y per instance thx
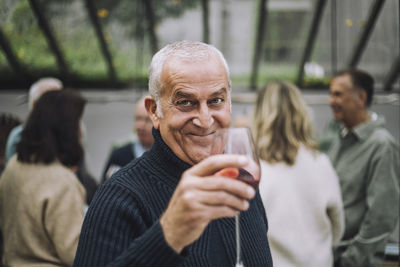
(201, 197)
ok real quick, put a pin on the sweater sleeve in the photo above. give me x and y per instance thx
(118, 232)
(63, 216)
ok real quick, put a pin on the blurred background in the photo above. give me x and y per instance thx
(103, 48)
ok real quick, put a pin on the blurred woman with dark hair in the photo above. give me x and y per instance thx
(41, 200)
(299, 187)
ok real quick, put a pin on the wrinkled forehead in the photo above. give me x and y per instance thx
(201, 57)
(193, 71)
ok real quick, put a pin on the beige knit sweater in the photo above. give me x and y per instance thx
(41, 214)
(304, 210)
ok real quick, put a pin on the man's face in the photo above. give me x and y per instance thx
(345, 101)
(143, 125)
(195, 102)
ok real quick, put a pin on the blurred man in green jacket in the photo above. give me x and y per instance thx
(366, 158)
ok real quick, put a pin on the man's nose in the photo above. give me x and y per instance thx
(204, 118)
(332, 100)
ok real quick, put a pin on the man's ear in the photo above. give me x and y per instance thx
(362, 95)
(151, 108)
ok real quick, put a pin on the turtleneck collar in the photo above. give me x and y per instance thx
(165, 159)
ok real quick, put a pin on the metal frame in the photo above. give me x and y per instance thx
(205, 6)
(261, 24)
(312, 34)
(51, 40)
(11, 58)
(362, 41)
(149, 9)
(392, 75)
(100, 37)
(333, 36)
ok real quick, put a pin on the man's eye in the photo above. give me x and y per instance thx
(185, 103)
(217, 101)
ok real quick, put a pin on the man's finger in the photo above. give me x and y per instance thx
(212, 164)
(222, 198)
(231, 186)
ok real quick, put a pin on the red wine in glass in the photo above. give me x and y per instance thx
(249, 179)
(239, 141)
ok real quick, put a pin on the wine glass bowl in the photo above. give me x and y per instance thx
(238, 141)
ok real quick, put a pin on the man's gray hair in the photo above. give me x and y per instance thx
(190, 51)
(42, 86)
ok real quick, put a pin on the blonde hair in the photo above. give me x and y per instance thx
(281, 123)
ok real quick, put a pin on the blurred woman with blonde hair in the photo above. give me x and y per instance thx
(299, 187)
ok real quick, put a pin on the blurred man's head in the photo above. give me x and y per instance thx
(351, 94)
(143, 124)
(190, 97)
(42, 86)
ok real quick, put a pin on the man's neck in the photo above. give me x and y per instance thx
(357, 119)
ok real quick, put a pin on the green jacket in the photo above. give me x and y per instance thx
(366, 160)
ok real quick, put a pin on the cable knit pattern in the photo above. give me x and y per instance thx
(122, 225)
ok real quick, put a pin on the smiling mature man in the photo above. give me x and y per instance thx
(366, 158)
(167, 208)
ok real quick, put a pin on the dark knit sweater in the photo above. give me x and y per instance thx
(122, 226)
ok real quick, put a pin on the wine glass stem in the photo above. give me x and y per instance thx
(237, 226)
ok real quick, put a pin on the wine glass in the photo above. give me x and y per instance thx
(239, 141)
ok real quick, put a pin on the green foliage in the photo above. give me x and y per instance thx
(79, 44)
(123, 24)
(318, 83)
(30, 47)
(82, 54)
(267, 73)
(132, 14)
(22, 19)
